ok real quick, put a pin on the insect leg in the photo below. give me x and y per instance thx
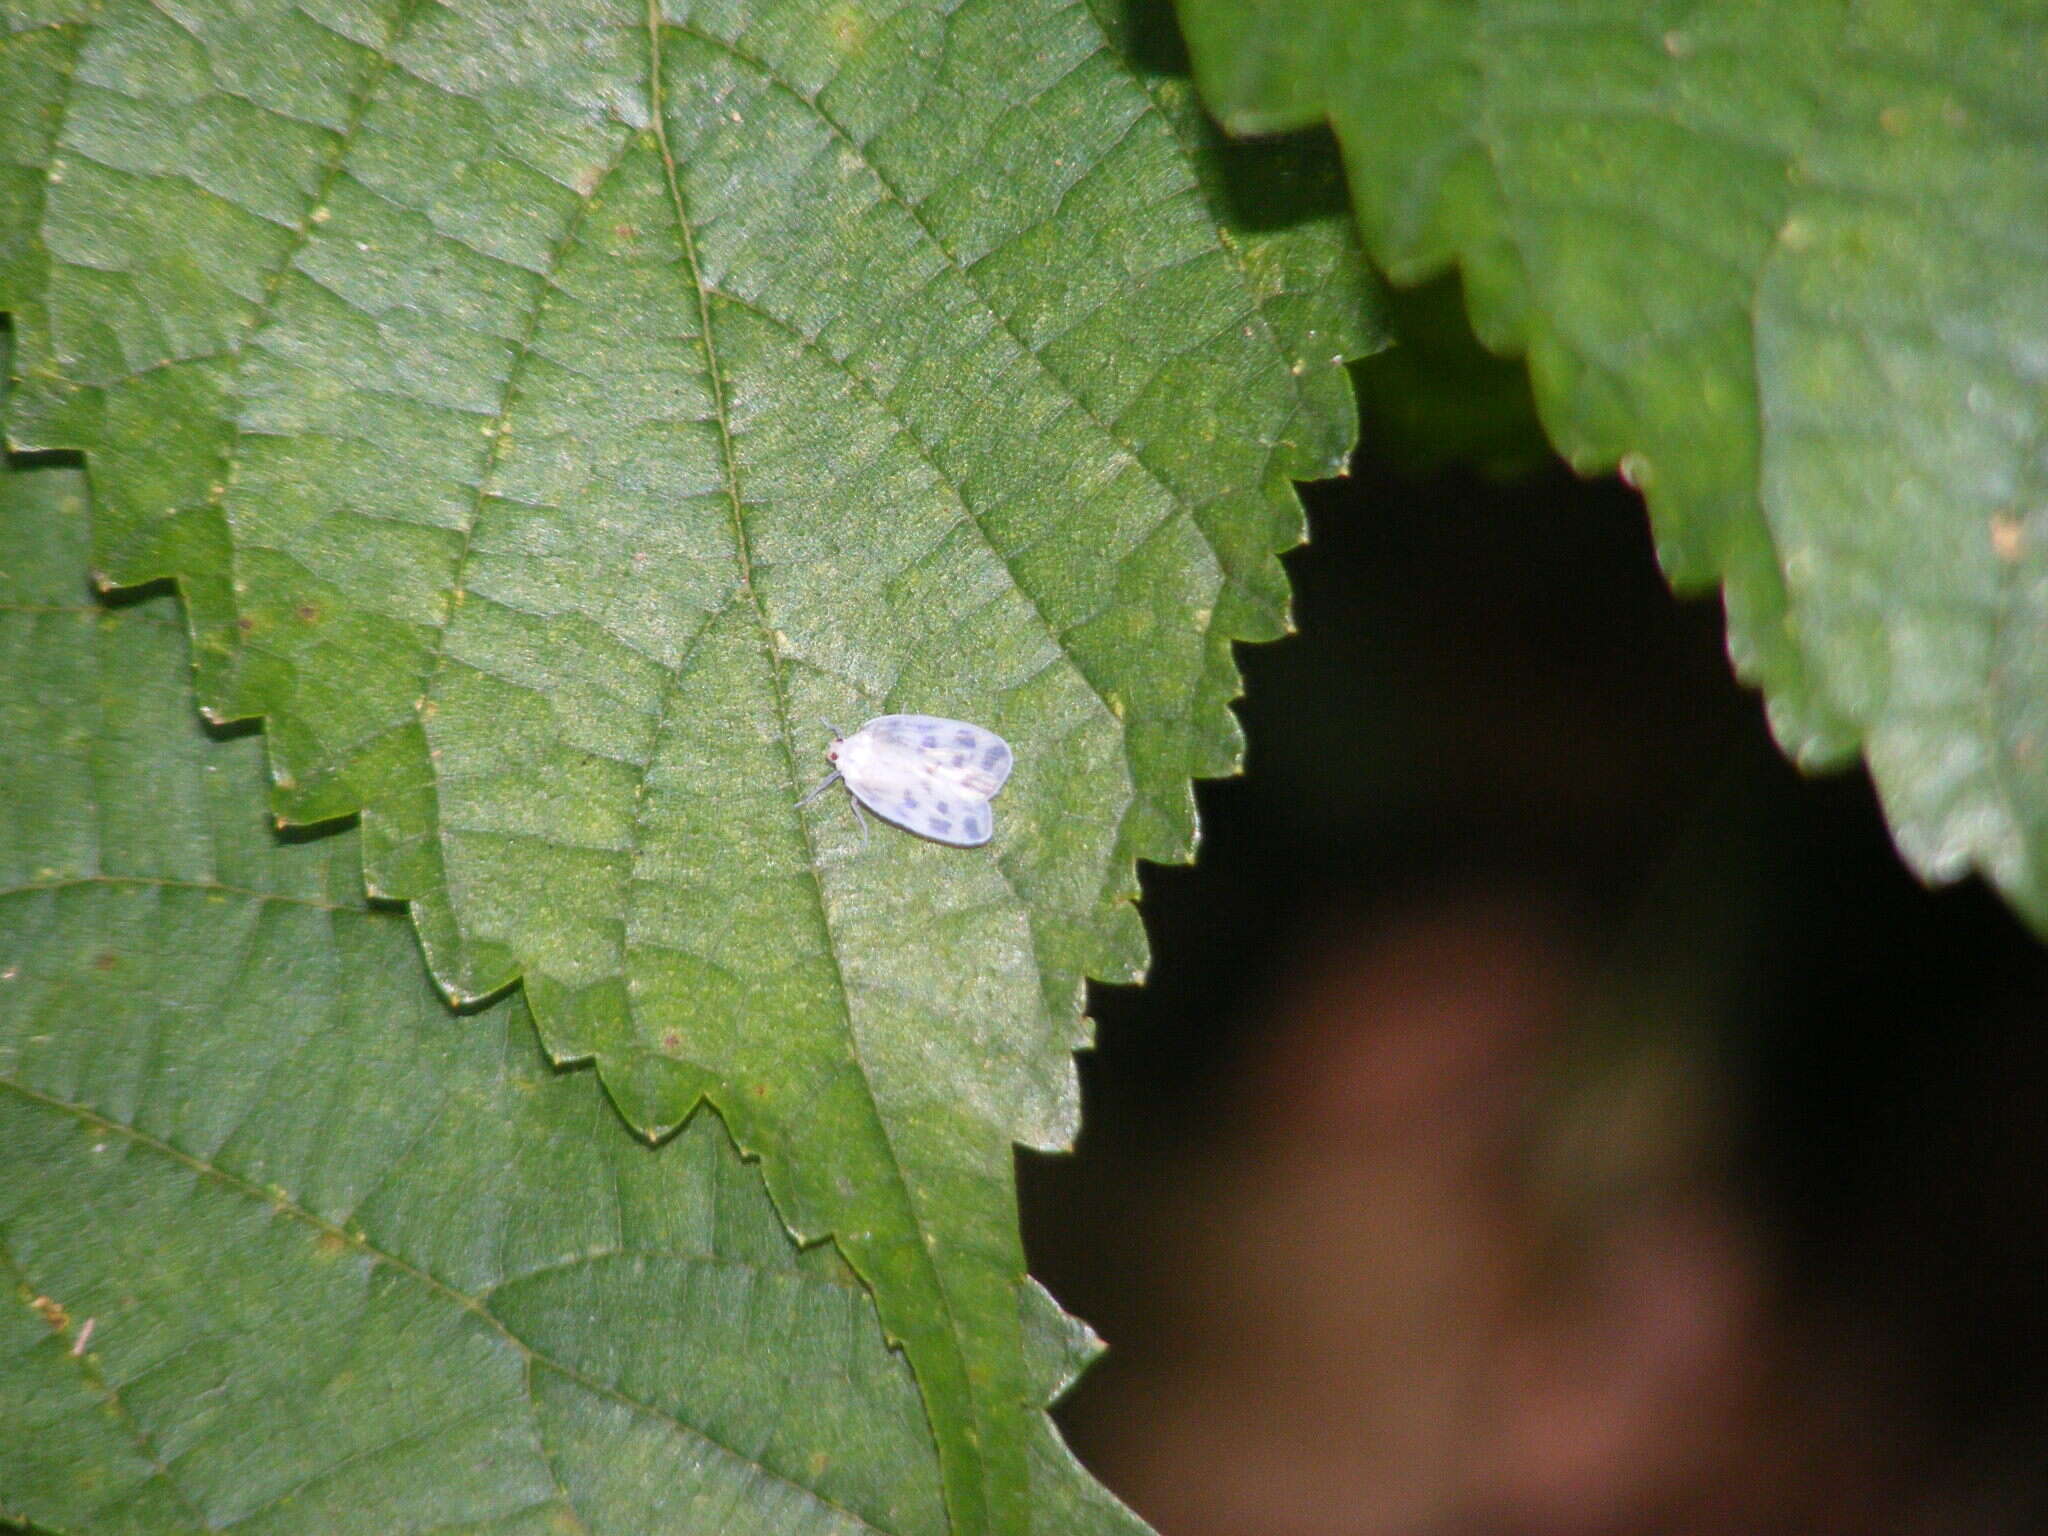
(807, 799)
(862, 820)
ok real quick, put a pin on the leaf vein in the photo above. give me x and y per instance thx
(235, 1183)
(95, 1379)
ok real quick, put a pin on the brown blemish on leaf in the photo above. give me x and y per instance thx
(51, 1312)
(2007, 536)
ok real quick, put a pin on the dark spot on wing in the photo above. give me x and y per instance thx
(995, 757)
(931, 743)
(959, 759)
(942, 829)
(945, 808)
(974, 826)
(963, 738)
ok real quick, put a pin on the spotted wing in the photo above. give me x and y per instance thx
(971, 758)
(929, 775)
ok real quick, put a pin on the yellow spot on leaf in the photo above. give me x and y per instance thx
(848, 28)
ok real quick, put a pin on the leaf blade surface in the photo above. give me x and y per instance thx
(549, 413)
(290, 1246)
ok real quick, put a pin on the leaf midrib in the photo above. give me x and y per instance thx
(679, 209)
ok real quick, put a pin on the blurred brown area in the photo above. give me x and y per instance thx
(1549, 1113)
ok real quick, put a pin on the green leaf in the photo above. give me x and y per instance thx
(1284, 224)
(550, 414)
(1784, 265)
(1437, 400)
(285, 1244)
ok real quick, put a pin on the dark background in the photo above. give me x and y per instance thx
(1548, 1112)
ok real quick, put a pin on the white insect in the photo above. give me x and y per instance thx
(934, 777)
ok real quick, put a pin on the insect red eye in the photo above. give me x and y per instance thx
(831, 754)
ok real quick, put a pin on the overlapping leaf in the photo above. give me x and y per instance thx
(1786, 266)
(290, 1247)
(550, 413)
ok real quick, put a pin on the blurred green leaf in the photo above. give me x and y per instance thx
(1436, 399)
(1784, 265)
(551, 414)
(288, 1246)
